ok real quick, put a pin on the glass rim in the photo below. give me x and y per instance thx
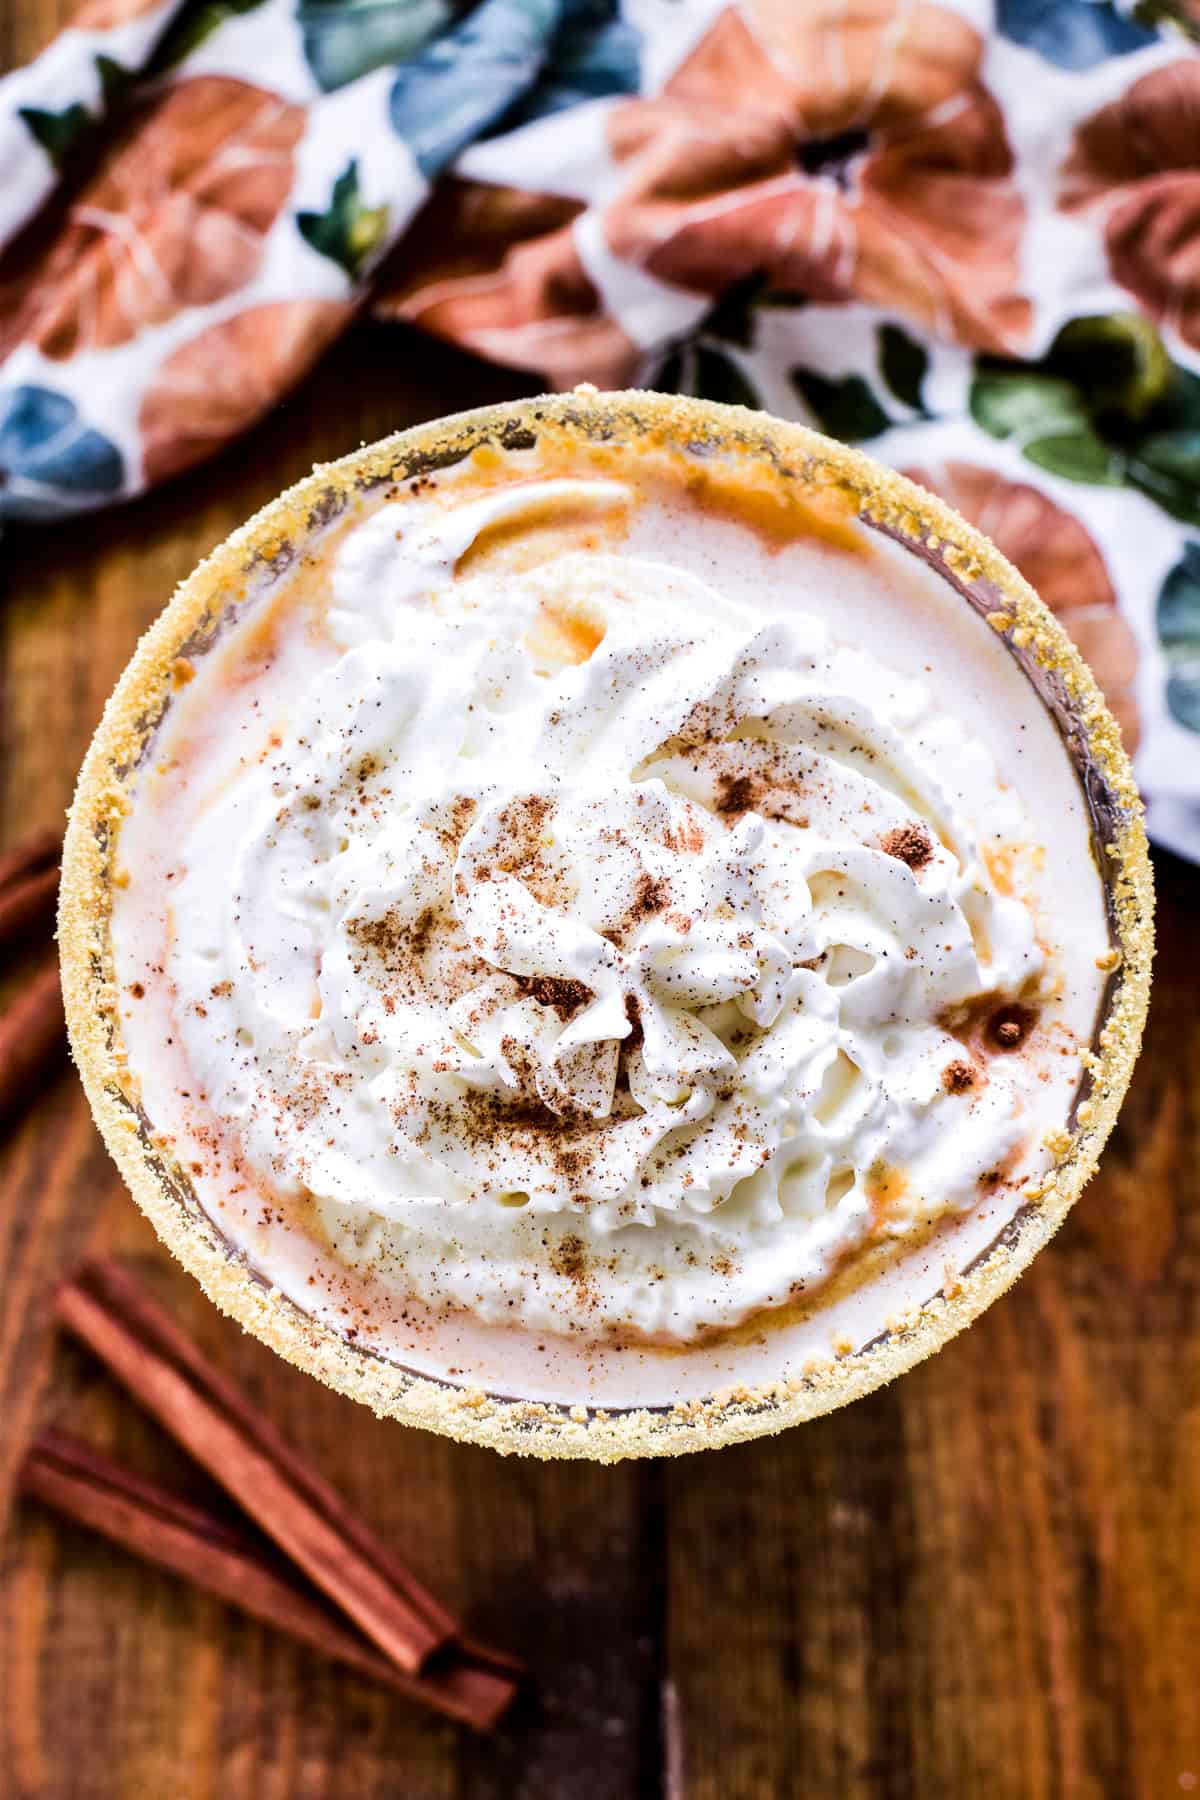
(246, 564)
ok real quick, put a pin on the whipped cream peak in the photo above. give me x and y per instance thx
(370, 584)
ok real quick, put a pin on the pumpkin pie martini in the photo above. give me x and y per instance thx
(605, 925)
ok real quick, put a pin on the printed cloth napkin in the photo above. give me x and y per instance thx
(968, 238)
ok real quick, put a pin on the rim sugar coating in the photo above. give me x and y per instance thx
(246, 566)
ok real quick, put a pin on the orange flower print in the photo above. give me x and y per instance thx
(1136, 164)
(175, 216)
(106, 15)
(496, 269)
(847, 149)
(1060, 559)
(220, 382)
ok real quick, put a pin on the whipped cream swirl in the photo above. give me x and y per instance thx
(583, 945)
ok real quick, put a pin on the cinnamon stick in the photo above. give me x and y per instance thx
(89, 1487)
(205, 1413)
(31, 1033)
(30, 858)
(27, 902)
(31, 1027)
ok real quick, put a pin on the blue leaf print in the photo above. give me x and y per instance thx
(595, 54)
(1178, 618)
(44, 444)
(1075, 34)
(446, 97)
(344, 39)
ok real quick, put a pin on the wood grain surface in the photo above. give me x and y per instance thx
(982, 1581)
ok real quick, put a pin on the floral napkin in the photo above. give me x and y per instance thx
(967, 237)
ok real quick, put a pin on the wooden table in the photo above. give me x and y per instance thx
(982, 1581)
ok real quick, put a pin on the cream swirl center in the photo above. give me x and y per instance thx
(575, 905)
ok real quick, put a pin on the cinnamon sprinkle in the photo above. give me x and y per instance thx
(569, 1259)
(958, 1076)
(909, 843)
(686, 836)
(736, 794)
(558, 992)
(462, 814)
(651, 895)
(400, 943)
(523, 826)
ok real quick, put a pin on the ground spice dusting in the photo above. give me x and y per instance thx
(651, 899)
(570, 1162)
(569, 1259)
(958, 1076)
(652, 894)
(688, 836)
(563, 995)
(736, 794)
(452, 831)
(400, 942)
(909, 844)
(478, 1119)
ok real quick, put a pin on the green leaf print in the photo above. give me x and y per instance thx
(1166, 468)
(718, 377)
(57, 132)
(1077, 456)
(1116, 360)
(1050, 423)
(904, 364)
(694, 364)
(1175, 17)
(114, 79)
(348, 232)
(669, 376)
(732, 317)
(1164, 463)
(1024, 406)
(1178, 618)
(1105, 406)
(846, 409)
(193, 27)
(708, 373)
